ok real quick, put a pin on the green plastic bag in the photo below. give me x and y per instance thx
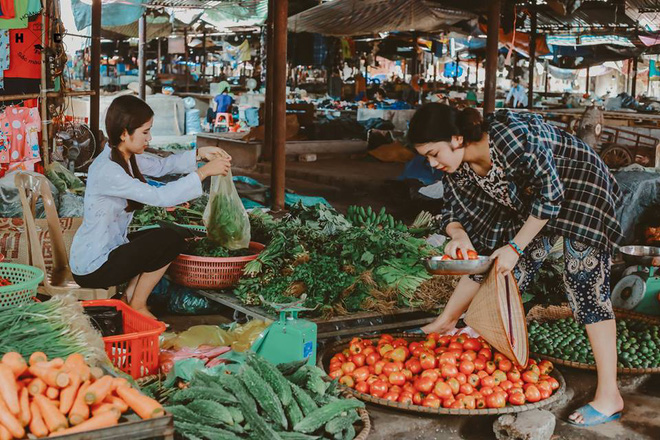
(225, 218)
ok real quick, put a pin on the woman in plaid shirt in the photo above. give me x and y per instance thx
(513, 186)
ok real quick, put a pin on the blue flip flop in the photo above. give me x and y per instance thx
(592, 417)
(415, 331)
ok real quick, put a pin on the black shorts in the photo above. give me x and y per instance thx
(146, 251)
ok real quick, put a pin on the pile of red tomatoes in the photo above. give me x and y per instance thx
(457, 372)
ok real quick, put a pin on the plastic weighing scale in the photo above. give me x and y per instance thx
(639, 289)
(289, 338)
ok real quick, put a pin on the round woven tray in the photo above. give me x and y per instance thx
(329, 351)
(362, 412)
(554, 313)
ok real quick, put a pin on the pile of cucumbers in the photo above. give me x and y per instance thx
(638, 343)
(360, 216)
(263, 402)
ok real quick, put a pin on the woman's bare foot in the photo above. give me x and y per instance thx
(145, 311)
(439, 326)
(604, 405)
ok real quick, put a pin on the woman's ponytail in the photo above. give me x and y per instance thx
(470, 124)
(435, 122)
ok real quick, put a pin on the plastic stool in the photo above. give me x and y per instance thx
(223, 121)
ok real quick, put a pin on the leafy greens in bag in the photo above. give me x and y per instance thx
(225, 218)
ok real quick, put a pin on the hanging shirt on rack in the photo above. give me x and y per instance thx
(4, 139)
(22, 125)
(20, 19)
(7, 9)
(4, 55)
(33, 7)
(25, 51)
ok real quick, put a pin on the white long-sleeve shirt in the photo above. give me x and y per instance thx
(105, 221)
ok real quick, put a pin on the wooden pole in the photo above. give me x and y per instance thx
(491, 55)
(95, 79)
(547, 77)
(279, 104)
(532, 58)
(270, 68)
(204, 56)
(588, 80)
(45, 138)
(158, 61)
(185, 48)
(142, 61)
(633, 86)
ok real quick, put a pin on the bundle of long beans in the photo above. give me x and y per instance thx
(58, 327)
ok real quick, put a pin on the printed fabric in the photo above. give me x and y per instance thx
(20, 17)
(33, 7)
(7, 9)
(20, 129)
(25, 51)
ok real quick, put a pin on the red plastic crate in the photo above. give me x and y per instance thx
(136, 351)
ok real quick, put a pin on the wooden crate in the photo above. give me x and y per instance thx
(134, 428)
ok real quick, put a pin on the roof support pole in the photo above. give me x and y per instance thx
(270, 68)
(532, 57)
(142, 58)
(185, 57)
(633, 85)
(45, 138)
(95, 74)
(491, 55)
(588, 80)
(280, 16)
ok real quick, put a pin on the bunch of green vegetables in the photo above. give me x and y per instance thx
(57, 327)
(191, 215)
(287, 402)
(150, 215)
(342, 268)
(204, 247)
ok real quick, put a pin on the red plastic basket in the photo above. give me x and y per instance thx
(211, 272)
(136, 351)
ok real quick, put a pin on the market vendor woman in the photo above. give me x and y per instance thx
(102, 254)
(514, 185)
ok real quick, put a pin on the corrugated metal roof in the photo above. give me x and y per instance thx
(200, 4)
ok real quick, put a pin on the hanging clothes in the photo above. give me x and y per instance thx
(21, 126)
(7, 9)
(33, 7)
(20, 19)
(4, 139)
(25, 51)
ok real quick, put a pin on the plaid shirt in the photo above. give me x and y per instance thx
(550, 175)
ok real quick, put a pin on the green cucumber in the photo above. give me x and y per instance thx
(305, 401)
(321, 416)
(273, 377)
(341, 422)
(264, 394)
(293, 412)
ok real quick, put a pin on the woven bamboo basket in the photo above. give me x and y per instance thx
(554, 313)
(331, 350)
(497, 314)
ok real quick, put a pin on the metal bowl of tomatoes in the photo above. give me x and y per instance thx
(445, 265)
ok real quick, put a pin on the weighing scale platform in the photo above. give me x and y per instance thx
(339, 326)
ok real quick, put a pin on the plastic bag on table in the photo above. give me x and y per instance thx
(202, 335)
(71, 205)
(246, 334)
(63, 179)
(225, 218)
(184, 301)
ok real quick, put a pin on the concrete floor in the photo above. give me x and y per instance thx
(367, 182)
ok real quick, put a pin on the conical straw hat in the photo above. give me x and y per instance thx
(497, 314)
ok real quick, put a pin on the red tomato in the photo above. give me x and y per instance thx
(486, 391)
(458, 404)
(485, 353)
(470, 402)
(442, 390)
(372, 358)
(482, 374)
(406, 398)
(444, 340)
(534, 368)
(387, 337)
(554, 384)
(495, 400)
(480, 363)
(362, 387)
(424, 384)
(360, 374)
(490, 367)
(378, 388)
(469, 355)
(449, 370)
(384, 377)
(427, 361)
(499, 375)
(382, 349)
(454, 385)
(391, 367)
(359, 359)
(408, 386)
(532, 394)
(378, 366)
(472, 254)
(431, 374)
(347, 380)
(516, 390)
(397, 389)
(418, 397)
(414, 366)
(497, 357)
(513, 375)
(461, 378)
(488, 381)
(348, 367)
(340, 357)
(430, 344)
(399, 354)
(368, 350)
(447, 257)
(431, 401)
(517, 399)
(397, 378)
(447, 403)
(336, 374)
(505, 365)
(447, 358)
(371, 379)
(456, 346)
(466, 389)
(466, 367)
(355, 348)
(546, 367)
(530, 377)
(335, 365)
(506, 385)
(391, 396)
(399, 342)
(407, 374)
(473, 380)
(480, 402)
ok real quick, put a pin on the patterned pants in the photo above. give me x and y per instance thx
(586, 276)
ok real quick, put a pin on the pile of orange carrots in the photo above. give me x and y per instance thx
(59, 397)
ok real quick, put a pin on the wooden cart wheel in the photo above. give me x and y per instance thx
(617, 156)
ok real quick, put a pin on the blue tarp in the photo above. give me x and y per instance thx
(112, 14)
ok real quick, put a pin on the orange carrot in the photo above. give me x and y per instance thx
(75, 363)
(52, 393)
(37, 425)
(9, 389)
(120, 382)
(103, 420)
(37, 386)
(10, 422)
(53, 377)
(52, 416)
(24, 400)
(16, 362)
(98, 390)
(4, 434)
(118, 402)
(68, 394)
(37, 357)
(102, 407)
(79, 411)
(96, 373)
(144, 406)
